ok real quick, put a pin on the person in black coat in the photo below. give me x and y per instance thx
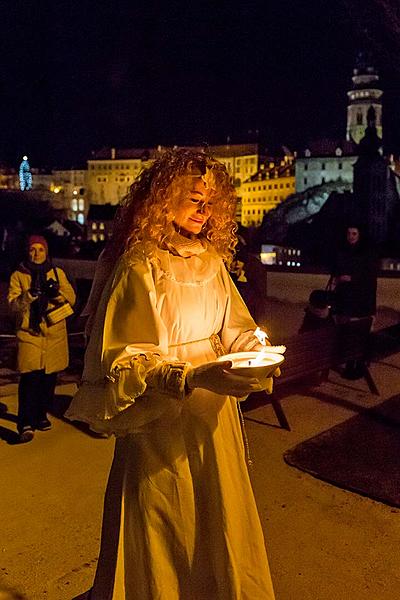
(354, 280)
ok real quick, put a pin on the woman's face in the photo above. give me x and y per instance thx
(37, 253)
(194, 210)
(353, 235)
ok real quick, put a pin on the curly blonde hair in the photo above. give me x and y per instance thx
(145, 218)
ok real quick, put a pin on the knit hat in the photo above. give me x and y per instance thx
(38, 239)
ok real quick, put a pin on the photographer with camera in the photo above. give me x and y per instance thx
(42, 297)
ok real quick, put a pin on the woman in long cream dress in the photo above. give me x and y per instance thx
(180, 520)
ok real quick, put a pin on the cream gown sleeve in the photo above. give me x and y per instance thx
(127, 357)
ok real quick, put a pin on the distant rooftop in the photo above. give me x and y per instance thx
(328, 147)
(123, 153)
(148, 153)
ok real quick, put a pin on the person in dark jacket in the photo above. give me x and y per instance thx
(354, 281)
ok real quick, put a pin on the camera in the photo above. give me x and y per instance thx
(52, 288)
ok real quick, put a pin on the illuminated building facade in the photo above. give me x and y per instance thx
(9, 179)
(69, 189)
(241, 160)
(112, 171)
(365, 93)
(325, 161)
(265, 189)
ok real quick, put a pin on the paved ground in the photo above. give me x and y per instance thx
(324, 543)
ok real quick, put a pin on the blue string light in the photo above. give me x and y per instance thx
(25, 175)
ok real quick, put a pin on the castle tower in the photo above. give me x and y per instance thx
(365, 93)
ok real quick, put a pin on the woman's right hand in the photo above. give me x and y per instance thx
(217, 377)
(32, 295)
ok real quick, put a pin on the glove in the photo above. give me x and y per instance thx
(32, 294)
(217, 378)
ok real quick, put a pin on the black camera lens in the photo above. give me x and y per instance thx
(52, 288)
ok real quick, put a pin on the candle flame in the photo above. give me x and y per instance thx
(261, 336)
(258, 360)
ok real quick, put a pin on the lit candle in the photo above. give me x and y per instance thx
(259, 360)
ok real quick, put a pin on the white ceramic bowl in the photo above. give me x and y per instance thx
(246, 363)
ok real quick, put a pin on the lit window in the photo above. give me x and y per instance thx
(101, 237)
(74, 204)
(81, 218)
(94, 237)
(81, 204)
(101, 226)
(94, 226)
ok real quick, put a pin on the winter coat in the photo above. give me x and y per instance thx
(47, 349)
(357, 297)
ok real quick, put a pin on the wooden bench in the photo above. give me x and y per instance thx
(311, 355)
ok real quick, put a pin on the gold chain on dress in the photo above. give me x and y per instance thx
(249, 460)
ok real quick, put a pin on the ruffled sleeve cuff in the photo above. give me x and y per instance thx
(170, 378)
(134, 393)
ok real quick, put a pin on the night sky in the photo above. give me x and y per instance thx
(79, 75)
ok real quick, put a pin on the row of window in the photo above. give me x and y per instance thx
(100, 226)
(119, 167)
(254, 211)
(98, 237)
(263, 199)
(251, 160)
(360, 94)
(323, 166)
(254, 188)
(305, 180)
(121, 179)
